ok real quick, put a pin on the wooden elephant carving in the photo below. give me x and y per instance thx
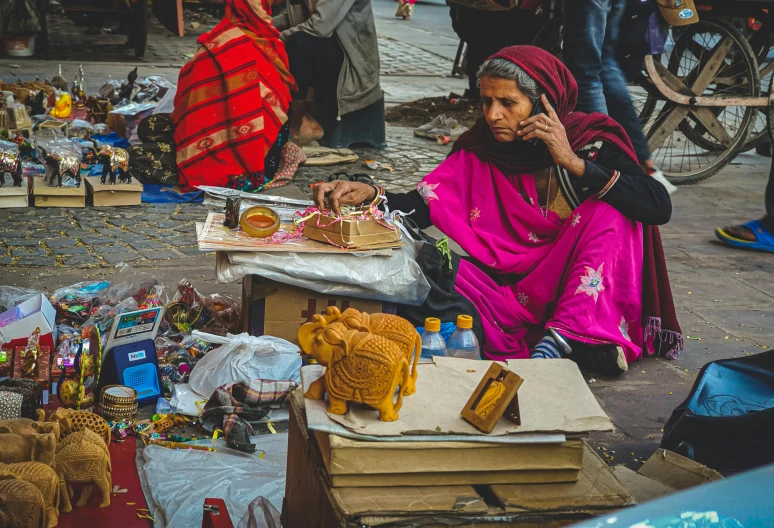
(26, 426)
(392, 327)
(361, 367)
(42, 477)
(83, 459)
(16, 448)
(72, 421)
(21, 505)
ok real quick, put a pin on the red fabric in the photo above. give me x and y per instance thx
(119, 513)
(659, 317)
(232, 99)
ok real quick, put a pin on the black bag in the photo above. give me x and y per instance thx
(31, 392)
(154, 163)
(727, 421)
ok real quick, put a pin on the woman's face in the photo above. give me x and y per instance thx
(505, 106)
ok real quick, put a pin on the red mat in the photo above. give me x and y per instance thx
(121, 512)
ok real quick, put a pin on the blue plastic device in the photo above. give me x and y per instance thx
(134, 365)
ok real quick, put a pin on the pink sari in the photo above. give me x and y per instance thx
(581, 276)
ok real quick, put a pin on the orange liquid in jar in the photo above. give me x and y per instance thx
(260, 221)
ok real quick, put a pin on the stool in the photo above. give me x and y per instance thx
(361, 126)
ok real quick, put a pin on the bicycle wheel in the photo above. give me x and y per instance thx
(709, 58)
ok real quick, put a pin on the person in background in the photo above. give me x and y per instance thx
(557, 217)
(591, 31)
(331, 45)
(405, 9)
(757, 235)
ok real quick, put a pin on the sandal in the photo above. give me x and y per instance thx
(764, 242)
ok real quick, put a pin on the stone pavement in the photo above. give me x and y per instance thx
(724, 297)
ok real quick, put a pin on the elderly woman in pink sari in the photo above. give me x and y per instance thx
(557, 218)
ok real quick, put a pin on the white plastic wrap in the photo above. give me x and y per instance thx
(177, 481)
(397, 279)
(244, 357)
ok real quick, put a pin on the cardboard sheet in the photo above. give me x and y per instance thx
(553, 399)
(404, 501)
(641, 488)
(597, 487)
(678, 471)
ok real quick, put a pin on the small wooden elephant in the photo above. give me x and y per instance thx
(83, 460)
(361, 367)
(21, 505)
(114, 161)
(42, 477)
(26, 426)
(393, 327)
(62, 165)
(71, 421)
(16, 448)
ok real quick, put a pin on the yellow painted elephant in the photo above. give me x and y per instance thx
(82, 458)
(361, 367)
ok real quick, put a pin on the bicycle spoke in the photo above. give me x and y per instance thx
(712, 125)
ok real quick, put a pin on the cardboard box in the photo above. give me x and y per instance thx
(46, 196)
(35, 312)
(355, 234)
(366, 464)
(109, 195)
(11, 196)
(272, 308)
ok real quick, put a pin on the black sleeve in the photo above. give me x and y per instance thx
(636, 194)
(407, 202)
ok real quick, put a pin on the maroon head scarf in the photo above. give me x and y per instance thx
(560, 87)
(662, 330)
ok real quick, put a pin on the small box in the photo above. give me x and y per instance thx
(35, 312)
(118, 194)
(46, 196)
(272, 308)
(354, 234)
(6, 362)
(11, 196)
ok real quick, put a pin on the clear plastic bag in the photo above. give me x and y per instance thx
(80, 129)
(11, 296)
(217, 313)
(127, 281)
(74, 303)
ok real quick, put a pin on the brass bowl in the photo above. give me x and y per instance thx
(260, 221)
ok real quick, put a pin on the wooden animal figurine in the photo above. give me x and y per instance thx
(82, 461)
(21, 505)
(393, 327)
(26, 426)
(42, 477)
(72, 421)
(63, 165)
(37, 103)
(10, 161)
(114, 160)
(16, 448)
(361, 367)
(98, 108)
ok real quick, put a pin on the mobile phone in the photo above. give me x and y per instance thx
(537, 109)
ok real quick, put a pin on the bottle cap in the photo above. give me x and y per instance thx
(465, 322)
(432, 324)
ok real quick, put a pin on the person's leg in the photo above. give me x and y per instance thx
(614, 85)
(584, 36)
(744, 233)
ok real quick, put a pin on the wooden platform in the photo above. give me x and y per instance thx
(46, 196)
(11, 196)
(120, 194)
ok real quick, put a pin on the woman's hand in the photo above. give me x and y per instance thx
(550, 131)
(340, 192)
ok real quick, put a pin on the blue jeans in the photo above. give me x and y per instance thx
(590, 36)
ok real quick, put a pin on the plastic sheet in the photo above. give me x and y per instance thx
(11, 296)
(244, 357)
(397, 279)
(177, 481)
(260, 514)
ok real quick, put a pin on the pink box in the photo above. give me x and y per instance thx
(33, 313)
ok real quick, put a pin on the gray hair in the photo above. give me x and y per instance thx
(505, 69)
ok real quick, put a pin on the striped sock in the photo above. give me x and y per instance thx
(547, 349)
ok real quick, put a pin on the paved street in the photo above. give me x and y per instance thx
(725, 298)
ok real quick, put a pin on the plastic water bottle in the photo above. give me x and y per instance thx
(463, 342)
(432, 341)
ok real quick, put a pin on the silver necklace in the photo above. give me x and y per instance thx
(544, 210)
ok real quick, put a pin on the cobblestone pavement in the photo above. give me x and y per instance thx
(397, 57)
